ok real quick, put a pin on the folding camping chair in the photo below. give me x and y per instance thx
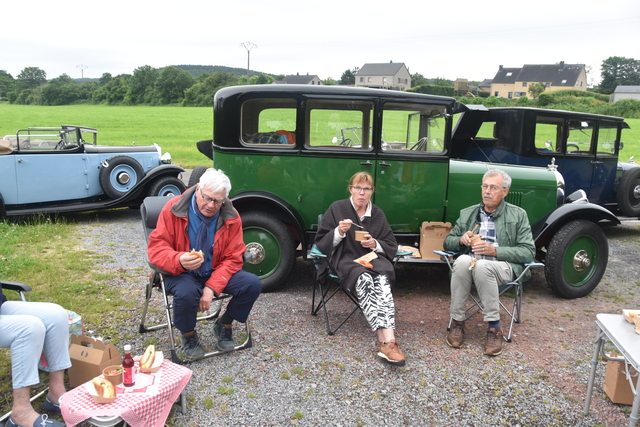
(325, 288)
(21, 289)
(150, 210)
(476, 304)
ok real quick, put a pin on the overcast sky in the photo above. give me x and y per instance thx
(450, 39)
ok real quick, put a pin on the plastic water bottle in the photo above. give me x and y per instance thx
(129, 376)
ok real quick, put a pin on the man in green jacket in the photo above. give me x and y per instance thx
(504, 243)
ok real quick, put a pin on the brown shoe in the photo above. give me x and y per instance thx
(455, 337)
(493, 347)
(390, 352)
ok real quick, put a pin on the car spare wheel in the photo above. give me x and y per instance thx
(196, 173)
(119, 174)
(167, 186)
(628, 194)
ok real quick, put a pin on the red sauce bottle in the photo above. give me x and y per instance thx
(129, 376)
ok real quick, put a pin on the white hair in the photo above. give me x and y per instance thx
(215, 181)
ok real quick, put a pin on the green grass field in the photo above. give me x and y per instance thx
(175, 129)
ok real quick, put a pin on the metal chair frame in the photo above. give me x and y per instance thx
(476, 305)
(150, 210)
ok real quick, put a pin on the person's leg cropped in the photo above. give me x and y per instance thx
(488, 276)
(461, 280)
(186, 290)
(376, 301)
(245, 288)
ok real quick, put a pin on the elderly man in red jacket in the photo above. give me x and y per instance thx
(203, 219)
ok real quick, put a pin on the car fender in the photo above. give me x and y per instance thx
(3, 210)
(546, 227)
(270, 203)
(152, 175)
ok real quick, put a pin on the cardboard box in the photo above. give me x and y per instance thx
(76, 326)
(89, 357)
(616, 384)
(432, 234)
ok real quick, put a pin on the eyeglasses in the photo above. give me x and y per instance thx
(486, 187)
(208, 200)
(365, 189)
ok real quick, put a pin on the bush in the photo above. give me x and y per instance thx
(433, 90)
(544, 99)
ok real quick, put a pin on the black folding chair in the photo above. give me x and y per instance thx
(325, 288)
(328, 286)
(150, 210)
(476, 304)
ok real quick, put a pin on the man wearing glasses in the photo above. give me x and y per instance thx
(505, 244)
(203, 219)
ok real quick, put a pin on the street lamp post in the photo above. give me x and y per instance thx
(248, 46)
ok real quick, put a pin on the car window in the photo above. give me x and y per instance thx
(579, 136)
(416, 128)
(269, 122)
(548, 134)
(339, 124)
(607, 136)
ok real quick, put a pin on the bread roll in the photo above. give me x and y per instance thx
(147, 359)
(104, 388)
(629, 315)
(198, 253)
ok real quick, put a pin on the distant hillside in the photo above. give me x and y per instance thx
(196, 70)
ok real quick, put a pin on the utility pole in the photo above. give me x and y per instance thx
(82, 68)
(248, 46)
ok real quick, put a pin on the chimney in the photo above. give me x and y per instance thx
(500, 68)
(561, 65)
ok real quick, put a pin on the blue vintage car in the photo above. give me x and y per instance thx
(584, 147)
(62, 169)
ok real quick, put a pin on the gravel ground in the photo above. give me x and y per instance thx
(295, 374)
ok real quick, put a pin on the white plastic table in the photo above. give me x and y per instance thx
(620, 333)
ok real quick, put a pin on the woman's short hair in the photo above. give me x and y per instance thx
(215, 181)
(359, 177)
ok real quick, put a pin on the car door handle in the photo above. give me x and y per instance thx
(20, 160)
(384, 164)
(367, 163)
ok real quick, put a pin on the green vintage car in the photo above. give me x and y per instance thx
(290, 151)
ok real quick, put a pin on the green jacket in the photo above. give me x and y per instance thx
(512, 231)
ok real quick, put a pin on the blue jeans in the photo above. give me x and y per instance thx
(28, 328)
(186, 289)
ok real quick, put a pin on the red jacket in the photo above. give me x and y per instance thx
(170, 239)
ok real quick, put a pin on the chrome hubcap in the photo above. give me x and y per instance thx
(581, 260)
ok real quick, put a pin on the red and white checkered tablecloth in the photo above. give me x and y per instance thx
(140, 409)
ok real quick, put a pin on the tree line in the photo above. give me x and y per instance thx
(176, 85)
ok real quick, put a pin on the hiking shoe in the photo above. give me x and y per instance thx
(455, 337)
(493, 347)
(224, 336)
(191, 346)
(390, 352)
(42, 421)
(50, 406)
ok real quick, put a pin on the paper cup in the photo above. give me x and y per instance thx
(115, 378)
(360, 235)
(475, 239)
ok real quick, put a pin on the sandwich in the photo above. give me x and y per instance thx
(104, 388)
